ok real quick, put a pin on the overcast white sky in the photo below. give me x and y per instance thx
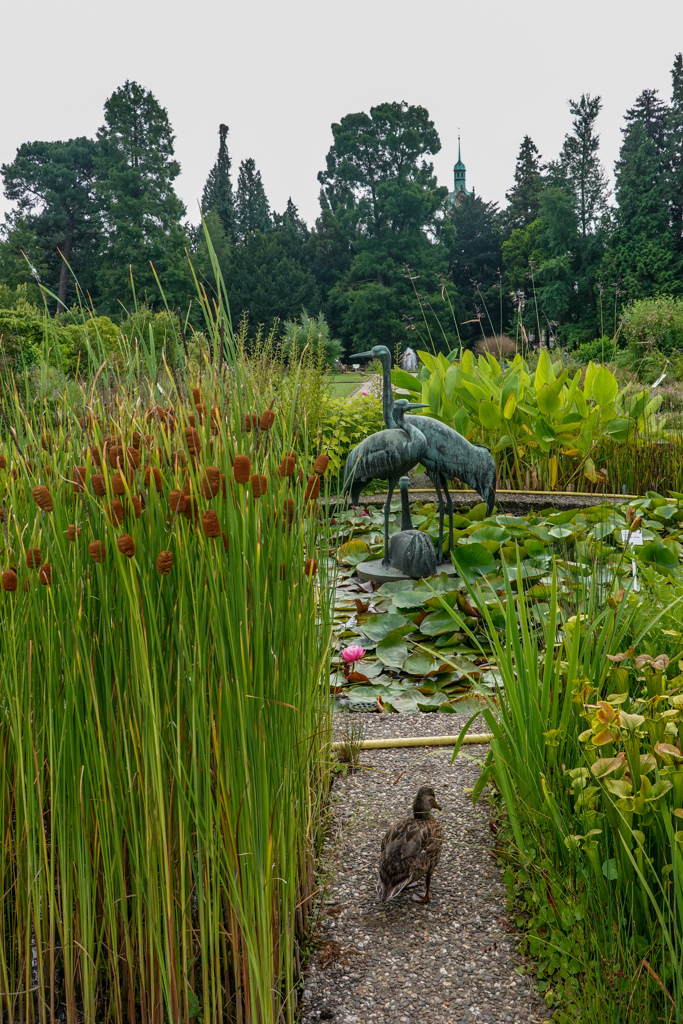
(279, 73)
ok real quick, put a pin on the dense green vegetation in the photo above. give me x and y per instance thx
(389, 257)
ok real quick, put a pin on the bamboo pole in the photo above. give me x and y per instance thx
(416, 741)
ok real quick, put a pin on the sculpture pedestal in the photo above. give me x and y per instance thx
(378, 573)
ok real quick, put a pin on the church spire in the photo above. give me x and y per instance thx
(459, 179)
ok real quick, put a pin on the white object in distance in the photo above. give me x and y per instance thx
(659, 380)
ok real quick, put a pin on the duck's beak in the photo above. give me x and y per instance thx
(438, 806)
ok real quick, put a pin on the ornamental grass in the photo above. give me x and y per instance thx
(166, 716)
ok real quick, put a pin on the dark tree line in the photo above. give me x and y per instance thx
(390, 258)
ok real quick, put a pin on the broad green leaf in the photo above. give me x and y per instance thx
(548, 401)
(419, 664)
(440, 622)
(544, 371)
(406, 381)
(490, 415)
(461, 421)
(473, 561)
(377, 627)
(353, 552)
(434, 394)
(510, 406)
(393, 650)
(605, 387)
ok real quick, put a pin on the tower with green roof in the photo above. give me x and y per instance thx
(459, 180)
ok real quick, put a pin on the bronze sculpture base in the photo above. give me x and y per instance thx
(378, 573)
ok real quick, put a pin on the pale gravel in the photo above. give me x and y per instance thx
(448, 961)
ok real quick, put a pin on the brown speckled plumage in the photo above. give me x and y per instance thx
(411, 849)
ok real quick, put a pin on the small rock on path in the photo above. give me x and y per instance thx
(448, 961)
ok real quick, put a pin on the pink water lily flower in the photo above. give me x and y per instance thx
(351, 654)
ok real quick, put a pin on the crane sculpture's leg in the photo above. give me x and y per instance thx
(449, 506)
(439, 499)
(387, 512)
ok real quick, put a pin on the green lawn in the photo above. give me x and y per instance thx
(343, 384)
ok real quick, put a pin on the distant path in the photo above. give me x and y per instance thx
(367, 385)
(452, 960)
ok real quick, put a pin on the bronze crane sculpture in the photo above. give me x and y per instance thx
(449, 455)
(385, 455)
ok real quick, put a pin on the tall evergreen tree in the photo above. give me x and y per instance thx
(674, 171)
(641, 251)
(218, 195)
(475, 260)
(579, 167)
(651, 112)
(141, 211)
(53, 185)
(524, 198)
(252, 209)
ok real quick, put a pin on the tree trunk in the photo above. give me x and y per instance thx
(66, 254)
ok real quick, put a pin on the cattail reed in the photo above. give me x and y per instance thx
(97, 550)
(3, 462)
(310, 567)
(125, 545)
(116, 456)
(210, 524)
(45, 574)
(96, 456)
(259, 485)
(196, 397)
(152, 473)
(79, 475)
(33, 558)
(115, 512)
(165, 562)
(286, 467)
(176, 500)
(133, 457)
(211, 481)
(267, 419)
(136, 439)
(241, 469)
(98, 485)
(9, 580)
(191, 510)
(73, 532)
(321, 464)
(193, 441)
(43, 498)
(136, 505)
(312, 487)
(117, 484)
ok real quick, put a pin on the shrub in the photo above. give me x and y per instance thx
(500, 345)
(312, 332)
(653, 324)
(348, 422)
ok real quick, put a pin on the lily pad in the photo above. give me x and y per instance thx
(473, 561)
(377, 627)
(393, 650)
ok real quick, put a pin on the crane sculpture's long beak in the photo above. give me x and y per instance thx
(417, 405)
(361, 355)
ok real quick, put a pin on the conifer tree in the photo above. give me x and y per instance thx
(651, 112)
(524, 196)
(580, 168)
(140, 209)
(674, 171)
(252, 209)
(218, 194)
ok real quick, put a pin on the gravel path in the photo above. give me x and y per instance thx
(450, 960)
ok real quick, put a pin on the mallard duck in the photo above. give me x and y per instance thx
(411, 849)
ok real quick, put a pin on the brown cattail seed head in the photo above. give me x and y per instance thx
(286, 467)
(97, 550)
(211, 482)
(136, 505)
(33, 558)
(193, 440)
(116, 455)
(79, 478)
(136, 439)
(152, 473)
(133, 458)
(267, 419)
(259, 485)
(98, 485)
(96, 457)
(312, 487)
(117, 484)
(196, 396)
(177, 501)
(125, 545)
(45, 574)
(289, 511)
(26, 586)
(310, 567)
(210, 524)
(115, 512)
(201, 413)
(241, 469)
(43, 498)
(321, 464)
(192, 419)
(3, 462)
(191, 510)
(9, 580)
(73, 532)
(165, 562)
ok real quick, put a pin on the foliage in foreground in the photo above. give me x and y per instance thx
(163, 637)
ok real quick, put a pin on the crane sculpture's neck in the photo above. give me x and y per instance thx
(406, 520)
(387, 393)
